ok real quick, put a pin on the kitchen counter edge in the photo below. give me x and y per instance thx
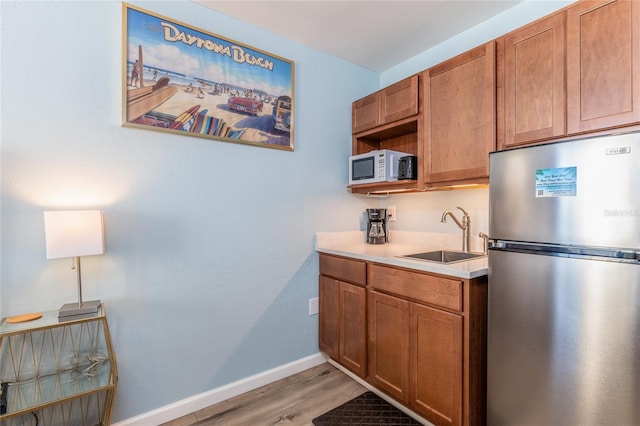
(352, 245)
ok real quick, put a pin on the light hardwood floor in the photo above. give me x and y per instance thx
(294, 400)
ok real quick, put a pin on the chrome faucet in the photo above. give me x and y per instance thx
(465, 226)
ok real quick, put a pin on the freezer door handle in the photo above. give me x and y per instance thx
(497, 245)
(598, 253)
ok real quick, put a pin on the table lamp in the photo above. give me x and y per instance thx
(74, 233)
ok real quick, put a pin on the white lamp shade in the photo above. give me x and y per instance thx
(73, 233)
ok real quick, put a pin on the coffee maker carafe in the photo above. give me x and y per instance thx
(377, 226)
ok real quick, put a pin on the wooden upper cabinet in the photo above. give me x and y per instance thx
(393, 103)
(531, 101)
(365, 113)
(603, 65)
(400, 100)
(460, 112)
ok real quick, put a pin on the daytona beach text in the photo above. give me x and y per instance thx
(237, 53)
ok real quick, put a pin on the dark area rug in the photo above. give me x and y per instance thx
(367, 409)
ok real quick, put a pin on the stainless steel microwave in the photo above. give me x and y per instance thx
(374, 166)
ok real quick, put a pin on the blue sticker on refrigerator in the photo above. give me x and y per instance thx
(556, 182)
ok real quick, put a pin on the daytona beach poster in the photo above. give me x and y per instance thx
(184, 80)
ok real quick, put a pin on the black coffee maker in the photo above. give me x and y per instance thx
(377, 226)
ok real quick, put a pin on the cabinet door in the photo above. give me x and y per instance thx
(329, 316)
(353, 328)
(603, 65)
(389, 344)
(534, 82)
(365, 113)
(436, 364)
(400, 100)
(460, 116)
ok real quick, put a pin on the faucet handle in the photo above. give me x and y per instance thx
(463, 211)
(485, 237)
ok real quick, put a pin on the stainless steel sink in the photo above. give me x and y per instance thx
(444, 256)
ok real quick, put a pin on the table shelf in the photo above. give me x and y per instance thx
(57, 372)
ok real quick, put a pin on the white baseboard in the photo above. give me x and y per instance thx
(205, 399)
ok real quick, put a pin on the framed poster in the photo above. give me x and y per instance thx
(184, 80)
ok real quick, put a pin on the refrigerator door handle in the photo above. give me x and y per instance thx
(601, 253)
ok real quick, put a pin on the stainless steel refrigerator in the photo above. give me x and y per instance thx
(564, 284)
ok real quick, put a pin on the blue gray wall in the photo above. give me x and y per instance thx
(209, 262)
(209, 259)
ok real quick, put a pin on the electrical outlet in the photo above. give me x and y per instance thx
(313, 306)
(391, 213)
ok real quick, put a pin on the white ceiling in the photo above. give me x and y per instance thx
(374, 34)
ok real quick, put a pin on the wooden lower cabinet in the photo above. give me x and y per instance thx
(415, 355)
(329, 312)
(435, 355)
(427, 342)
(389, 344)
(353, 328)
(417, 336)
(342, 334)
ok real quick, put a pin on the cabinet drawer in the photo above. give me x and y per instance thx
(420, 287)
(353, 271)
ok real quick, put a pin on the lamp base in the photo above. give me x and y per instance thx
(70, 310)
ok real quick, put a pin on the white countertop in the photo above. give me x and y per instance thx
(353, 244)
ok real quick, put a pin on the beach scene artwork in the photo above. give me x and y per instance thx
(185, 80)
